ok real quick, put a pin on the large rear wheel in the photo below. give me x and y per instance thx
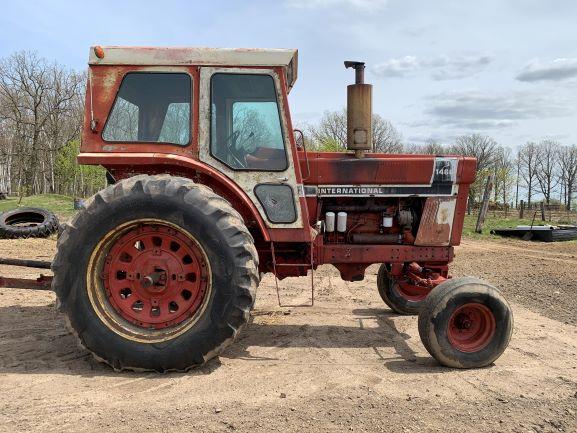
(157, 273)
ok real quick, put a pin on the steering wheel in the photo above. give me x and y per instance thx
(233, 150)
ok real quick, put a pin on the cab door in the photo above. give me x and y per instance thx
(243, 133)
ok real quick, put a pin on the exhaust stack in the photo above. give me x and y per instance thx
(359, 112)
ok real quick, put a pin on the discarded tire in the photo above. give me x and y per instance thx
(157, 273)
(28, 223)
(465, 323)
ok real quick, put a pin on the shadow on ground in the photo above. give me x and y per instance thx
(36, 340)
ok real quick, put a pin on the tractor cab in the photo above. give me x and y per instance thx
(217, 113)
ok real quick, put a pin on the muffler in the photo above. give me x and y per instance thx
(359, 112)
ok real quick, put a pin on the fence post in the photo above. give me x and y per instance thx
(485, 204)
(522, 209)
(542, 211)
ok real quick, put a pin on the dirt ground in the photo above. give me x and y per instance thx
(347, 364)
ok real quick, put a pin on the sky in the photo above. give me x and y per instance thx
(503, 68)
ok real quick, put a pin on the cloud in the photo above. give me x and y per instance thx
(440, 67)
(425, 138)
(482, 110)
(417, 31)
(361, 5)
(556, 70)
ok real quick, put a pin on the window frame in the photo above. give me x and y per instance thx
(162, 143)
(280, 118)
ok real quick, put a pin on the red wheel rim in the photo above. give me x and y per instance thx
(155, 276)
(471, 327)
(410, 291)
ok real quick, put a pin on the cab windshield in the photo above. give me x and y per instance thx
(246, 131)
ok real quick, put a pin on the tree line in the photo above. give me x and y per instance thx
(545, 170)
(41, 109)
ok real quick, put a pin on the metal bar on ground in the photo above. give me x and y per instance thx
(40, 264)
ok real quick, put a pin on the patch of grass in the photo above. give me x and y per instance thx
(61, 205)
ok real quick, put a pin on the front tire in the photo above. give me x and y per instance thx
(157, 273)
(399, 300)
(465, 323)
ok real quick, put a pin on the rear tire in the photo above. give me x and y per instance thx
(172, 216)
(393, 297)
(465, 323)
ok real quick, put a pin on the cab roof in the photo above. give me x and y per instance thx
(201, 56)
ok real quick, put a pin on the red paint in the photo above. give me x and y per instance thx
(414, 282)
(341, 168)
(411, 292)
(106, 82)
(471, 327)
(155, 276)
(382, 254)
(132, 163)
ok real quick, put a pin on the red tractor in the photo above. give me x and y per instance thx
(210, 188)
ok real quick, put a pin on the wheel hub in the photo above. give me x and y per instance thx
(409, 291)
(156, 281)
(155, 276)
(471, 327)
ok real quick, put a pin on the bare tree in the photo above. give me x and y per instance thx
(331, 128)
(485, 149)
(386, 138)
(331, 133)
(547, 165)
(528, 157)
(568, 170)
(431, 147)
(504, 179)
(482, 147)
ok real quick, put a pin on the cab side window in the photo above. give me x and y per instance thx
(151, 107)
(246, 132)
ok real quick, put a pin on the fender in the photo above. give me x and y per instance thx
(165, 161)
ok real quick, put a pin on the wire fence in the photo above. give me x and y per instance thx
(557, 213)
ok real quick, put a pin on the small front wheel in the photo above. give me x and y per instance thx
(465, 323)
(402, 298)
